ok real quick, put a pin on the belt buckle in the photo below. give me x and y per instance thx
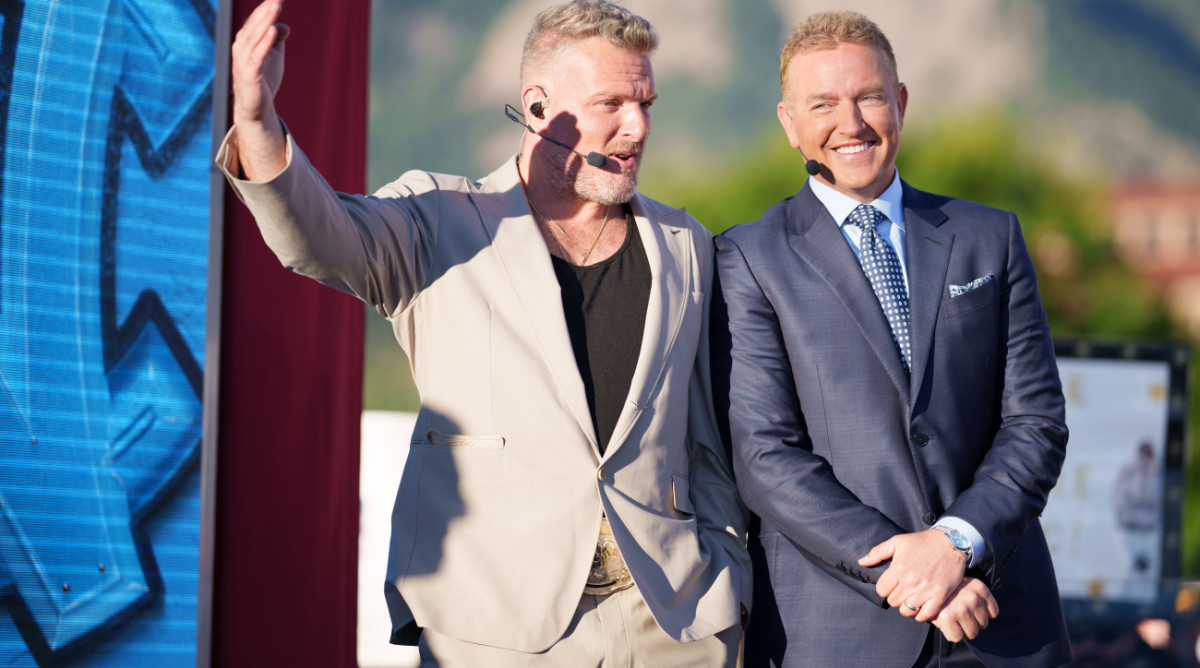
(609, 573)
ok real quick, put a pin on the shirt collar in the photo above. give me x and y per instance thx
(839, 205)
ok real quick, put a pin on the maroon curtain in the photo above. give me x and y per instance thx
(286, 549)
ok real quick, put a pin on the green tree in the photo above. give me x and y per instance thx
(1086, 288)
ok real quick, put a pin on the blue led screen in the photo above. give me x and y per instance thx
(106, 128)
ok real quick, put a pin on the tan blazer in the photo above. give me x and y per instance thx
(498, 511)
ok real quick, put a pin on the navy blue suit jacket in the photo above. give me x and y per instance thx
(835, 449)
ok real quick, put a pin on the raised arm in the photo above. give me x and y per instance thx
(257, 73)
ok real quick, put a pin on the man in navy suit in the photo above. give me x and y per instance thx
(893, 403)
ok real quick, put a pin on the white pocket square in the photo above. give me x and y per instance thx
(958, 290)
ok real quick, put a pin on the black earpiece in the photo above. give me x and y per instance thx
(536, 110)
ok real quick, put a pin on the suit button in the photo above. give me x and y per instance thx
(929, 518)
(601, 474)
(921, 440)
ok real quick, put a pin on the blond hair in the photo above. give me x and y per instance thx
(828, 30)
(560, 26)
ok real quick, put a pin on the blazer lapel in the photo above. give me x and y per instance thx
(522, 255)
(927, 250)
(668, 244)
(816, 238)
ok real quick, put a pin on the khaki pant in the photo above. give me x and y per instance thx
(611, 631)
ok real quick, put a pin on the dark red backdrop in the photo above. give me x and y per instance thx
(286, 551)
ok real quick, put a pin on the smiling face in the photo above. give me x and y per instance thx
(598, 99)
(844, 109)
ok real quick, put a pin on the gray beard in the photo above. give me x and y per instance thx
(592, 184)
(606, 188)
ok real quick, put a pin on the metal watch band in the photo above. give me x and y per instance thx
(957, 540)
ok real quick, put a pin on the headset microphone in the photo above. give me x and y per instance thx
(811, 166)
(594, 159)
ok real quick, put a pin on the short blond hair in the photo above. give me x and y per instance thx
(828, 30)
(560, 26)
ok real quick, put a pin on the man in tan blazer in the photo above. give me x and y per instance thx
(566, 499)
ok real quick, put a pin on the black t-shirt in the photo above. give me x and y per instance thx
(605, 305)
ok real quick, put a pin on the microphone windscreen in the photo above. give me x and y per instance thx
(812, 167)
(596, 159)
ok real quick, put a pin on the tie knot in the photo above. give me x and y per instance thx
(866, 216)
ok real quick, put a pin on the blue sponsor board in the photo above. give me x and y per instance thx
(106, 127)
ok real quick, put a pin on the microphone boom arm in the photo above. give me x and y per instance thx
(594, 159)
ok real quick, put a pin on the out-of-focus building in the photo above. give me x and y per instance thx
(1157, 231)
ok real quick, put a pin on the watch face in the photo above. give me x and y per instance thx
(958, 540)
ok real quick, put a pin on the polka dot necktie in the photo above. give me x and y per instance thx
(882, 267)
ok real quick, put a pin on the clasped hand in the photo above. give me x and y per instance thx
(926, 581)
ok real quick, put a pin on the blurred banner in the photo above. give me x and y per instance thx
(1113, 522)
(106, 128)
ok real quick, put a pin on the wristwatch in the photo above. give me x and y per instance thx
(957, 540)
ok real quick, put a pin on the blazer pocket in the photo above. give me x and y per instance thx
(681, 496)
(980, 297)
(438, 439)
(462, 459)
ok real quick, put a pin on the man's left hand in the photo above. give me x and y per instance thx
(925, 572)
(968, 612)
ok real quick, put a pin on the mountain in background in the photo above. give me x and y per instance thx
(1106, 89)
(1093, 82)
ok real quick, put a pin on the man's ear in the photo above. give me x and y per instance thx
(534, 103)
(785, 119)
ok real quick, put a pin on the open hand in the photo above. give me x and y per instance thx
(257, 63)
(257, 73)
